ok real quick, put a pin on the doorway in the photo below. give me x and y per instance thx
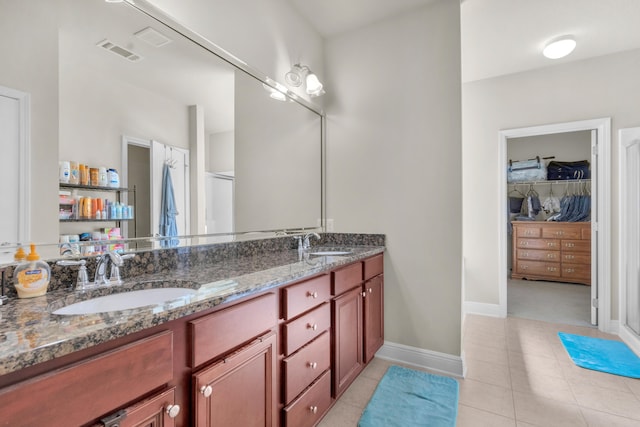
(600, 216)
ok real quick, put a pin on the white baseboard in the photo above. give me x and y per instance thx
(427, 359)
(484, 309)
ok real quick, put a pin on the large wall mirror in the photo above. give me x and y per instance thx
(122, 86)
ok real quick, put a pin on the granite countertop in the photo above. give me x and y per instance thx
(31, 334)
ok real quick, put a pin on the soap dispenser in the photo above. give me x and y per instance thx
(32, 277)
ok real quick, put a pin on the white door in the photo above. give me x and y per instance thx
(219, 206)
(14, 172)
(178, 158)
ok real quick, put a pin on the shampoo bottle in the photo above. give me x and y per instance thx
(32, 277)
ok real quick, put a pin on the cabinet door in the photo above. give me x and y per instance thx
(373, 316)
(158, 411)
(347, 339)
(240, 389)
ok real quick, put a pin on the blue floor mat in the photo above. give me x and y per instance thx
(613, 357)
(405, 397)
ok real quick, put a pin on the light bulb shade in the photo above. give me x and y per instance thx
(294, 76)
(314, 87)
(559, 48)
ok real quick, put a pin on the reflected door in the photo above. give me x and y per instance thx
(219, 207)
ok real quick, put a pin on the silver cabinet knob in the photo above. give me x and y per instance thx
(313, 365)
(173, 410)
(364, 294)
(313, 326)
(206, 390)
(313, 409)
(312, 294)
(370, 290)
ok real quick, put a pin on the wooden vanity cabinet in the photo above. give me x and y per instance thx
(87, 390)
(237, 385)
(306, 351)
(160, 410)
(373, 295)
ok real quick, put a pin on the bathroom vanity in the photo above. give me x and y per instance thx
(271, 337)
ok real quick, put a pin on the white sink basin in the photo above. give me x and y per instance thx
(330, 253)
(126, 301)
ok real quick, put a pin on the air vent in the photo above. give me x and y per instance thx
(119, 50)
(153, 37)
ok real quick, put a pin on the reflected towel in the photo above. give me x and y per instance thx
(168, 211)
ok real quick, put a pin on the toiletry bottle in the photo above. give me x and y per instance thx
(74, 177)
(103, 181)
(32, 277)
(20, 256)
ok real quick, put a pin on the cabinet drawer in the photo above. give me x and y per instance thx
(576, 271)
(576, 257)
(303, 367)
(528, 230)
(307, 410)
(538, 268)
(550, 244)
(302, 330)
(373, 266)
(226, 329)
(346, 278)
(576, 245)
(305, 295)
(111, 380)
(561, 232)
(538, 255)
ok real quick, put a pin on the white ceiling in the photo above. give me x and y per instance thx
(501, 36)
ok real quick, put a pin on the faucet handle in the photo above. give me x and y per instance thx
(83, 278)
(114, 274)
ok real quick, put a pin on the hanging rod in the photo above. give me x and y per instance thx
(560, 181)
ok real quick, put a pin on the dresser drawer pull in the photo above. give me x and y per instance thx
(313, 409)
(569, 245)
(313, 326)
(570, 270)
(524, 243)
(524, 267)
(551, 255)
(552, 269)
(312, 365)
(529, 233)
(559, 233)
(569, 257)
(312, 294)
(551, 244)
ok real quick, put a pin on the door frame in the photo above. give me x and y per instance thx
(601, 228)
(24, 161)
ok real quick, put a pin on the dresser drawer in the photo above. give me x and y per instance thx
(304, 296)
(538, 268)
(307, 410)
(538, 255)
(301, 368)
(302, 330)
(561, 232)
(576, 271)
(346, 278)
(523, 230)
(577, 257)
(576, 245)
(217, 333)
(373, 266)
(549, 244)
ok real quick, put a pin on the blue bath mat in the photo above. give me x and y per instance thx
(405, 398)
(613, 357)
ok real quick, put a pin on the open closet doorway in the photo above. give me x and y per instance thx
(550, 260)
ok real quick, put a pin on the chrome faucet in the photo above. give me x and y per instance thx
(306, 243)
(115, 260)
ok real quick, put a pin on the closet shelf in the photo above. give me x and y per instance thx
(561, 181)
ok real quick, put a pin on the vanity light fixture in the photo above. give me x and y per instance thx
(559, 47)
(277, 93)
(301, 73)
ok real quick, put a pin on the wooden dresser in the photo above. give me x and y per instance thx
(552, 251)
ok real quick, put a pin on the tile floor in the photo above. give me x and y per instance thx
(518, 375)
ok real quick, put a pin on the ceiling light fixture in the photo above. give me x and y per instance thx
(559, 47)
(301, 73)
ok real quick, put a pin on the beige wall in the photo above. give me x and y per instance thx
(600, 87)
(393, 163)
